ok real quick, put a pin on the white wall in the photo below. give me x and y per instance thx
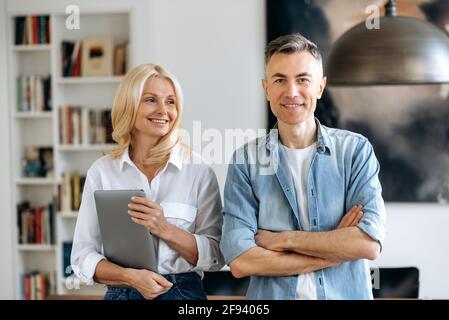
(417, 235)
(6, 261)
(216, 50)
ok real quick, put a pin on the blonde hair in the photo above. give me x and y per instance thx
(124, 111)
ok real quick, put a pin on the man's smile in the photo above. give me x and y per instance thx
(292, 105)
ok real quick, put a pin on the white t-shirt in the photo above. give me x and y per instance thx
(300, 160)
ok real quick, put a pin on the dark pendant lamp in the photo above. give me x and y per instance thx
(404, 50)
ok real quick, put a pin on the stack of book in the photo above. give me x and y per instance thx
(79, 125)
(33, 93)
(37, 285)
(32, 30)
(35, 224)
(71, 58)
(70, 191)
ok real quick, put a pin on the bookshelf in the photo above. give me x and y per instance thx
(40, 127)
(89, 80)
(33, 115)
(36, 247)
(85, 147)
(35, 181)
(30, 47)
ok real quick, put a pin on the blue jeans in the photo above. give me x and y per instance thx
(186, 286)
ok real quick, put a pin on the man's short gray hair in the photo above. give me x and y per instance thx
(292, 43)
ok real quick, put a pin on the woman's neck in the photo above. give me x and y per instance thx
(140, 149)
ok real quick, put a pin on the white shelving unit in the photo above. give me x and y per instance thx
(33, 115)
(89, 80)
(36, 247)
(35, 181)
(68, 214)
(85, 147)
(30, 47)
(41, 128)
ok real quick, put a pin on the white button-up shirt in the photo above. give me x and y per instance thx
(186, 189)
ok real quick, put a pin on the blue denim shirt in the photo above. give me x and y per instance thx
(260, 194)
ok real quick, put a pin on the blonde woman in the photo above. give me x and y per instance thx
(182, 206)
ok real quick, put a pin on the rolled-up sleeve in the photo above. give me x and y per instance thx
(208, 224)
(365, 189)
(239, 213)
(86, 250)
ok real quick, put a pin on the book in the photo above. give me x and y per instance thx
(66, 253)
(67, 48)
(36, 285)
(35, 225)
(33, 93)
(70, 191)
(120, 59)
(31, 30)
(19, 27)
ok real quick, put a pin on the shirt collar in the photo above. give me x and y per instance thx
(176, 158)
(322, 145)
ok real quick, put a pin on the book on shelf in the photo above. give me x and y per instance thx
(70, 191)
(38, 285)
(97, 56)
(31, 30)
(71, 58)
(66, 253)
(93, 57)
(33, 93)
(120, 59)
(35, 224)
(80, 125)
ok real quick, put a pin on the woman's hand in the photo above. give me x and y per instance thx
(149, 283)
(150, 215)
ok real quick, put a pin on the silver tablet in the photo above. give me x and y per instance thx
(125, 242)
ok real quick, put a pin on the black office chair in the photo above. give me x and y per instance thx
(387, 283)
(395, 282)
(222, 283)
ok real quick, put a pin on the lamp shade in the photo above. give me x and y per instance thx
(403, 50)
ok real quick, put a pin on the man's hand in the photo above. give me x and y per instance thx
(269, 240)
(352, 217)
(148, 283)
(274, 240)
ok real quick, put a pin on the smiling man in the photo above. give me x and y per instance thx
(300, 232)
